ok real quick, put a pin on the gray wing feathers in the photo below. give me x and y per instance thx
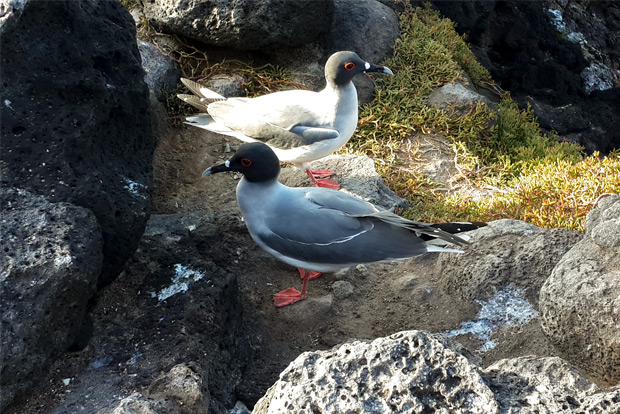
(368, 240)
(340, 229)
(275, 138)
(242, 115)
(192, 86)
(335, 227)
(342, 202)
(315, 134)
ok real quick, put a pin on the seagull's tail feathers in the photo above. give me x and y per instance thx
(211, 96)
(454, 228)
(194, 101)
(205, 95)
(435, 235)
(205, 121)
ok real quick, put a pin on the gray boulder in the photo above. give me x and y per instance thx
(355, 174)
(580, 301)
(411, 371)
(51, 257)
(182, 384)
(75, 116)
(245, 25)
(161, 74)
(456, 97)
(227, 85)
(507, 252)
(366, 27)
(414, 371)
(547, 386)
(177, 391)
(138, 403)
(435, 159)
(595, 30)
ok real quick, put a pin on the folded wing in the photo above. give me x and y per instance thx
(334, 228)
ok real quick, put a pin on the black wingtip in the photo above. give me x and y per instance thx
(459, 227)
(453, 228)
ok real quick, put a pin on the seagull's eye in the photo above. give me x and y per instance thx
(349, 65)
(246, 162)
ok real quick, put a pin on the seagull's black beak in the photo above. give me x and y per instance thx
(217, 169)
(378, 68)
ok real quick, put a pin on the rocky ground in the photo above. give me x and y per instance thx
(361, 303)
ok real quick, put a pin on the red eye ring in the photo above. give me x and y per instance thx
(349, 65)
(246, 162)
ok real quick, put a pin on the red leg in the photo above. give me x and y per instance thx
(320, 178)
(308, 274)
(291, 295)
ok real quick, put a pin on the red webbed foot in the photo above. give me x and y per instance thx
(320, 178)
(287, 297)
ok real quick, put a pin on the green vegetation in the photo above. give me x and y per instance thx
(511, 169)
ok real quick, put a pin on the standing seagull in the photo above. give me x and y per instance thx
(300, 126)
(319, 228)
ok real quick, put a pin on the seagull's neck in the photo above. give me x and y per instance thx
(341, 91)
(343, 97)
(343, 115)
(253, 193)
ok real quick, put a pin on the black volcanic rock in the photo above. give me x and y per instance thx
(51, 258)
(554, 55)
(75, 115)
(243, 25)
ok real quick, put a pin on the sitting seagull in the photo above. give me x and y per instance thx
(321, 229)
(300, 126)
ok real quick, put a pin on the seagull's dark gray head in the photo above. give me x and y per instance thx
(256, 161)
(341, 67)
